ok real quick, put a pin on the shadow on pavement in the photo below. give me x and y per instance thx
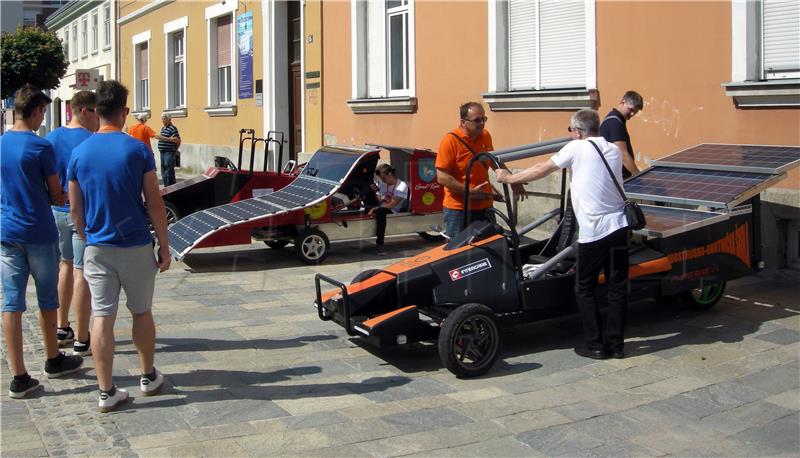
(192, 344)
(250, 258)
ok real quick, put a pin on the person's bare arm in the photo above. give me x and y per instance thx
(457, 187)
(627, 158)
(532, 173)
(158, 217)
(76, 208)
(57, 196)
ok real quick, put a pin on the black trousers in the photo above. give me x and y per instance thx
(380, 222)
(609, 255)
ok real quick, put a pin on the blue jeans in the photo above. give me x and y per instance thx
(22, 259)
(168, 168)
(454, 219)
(69, 243)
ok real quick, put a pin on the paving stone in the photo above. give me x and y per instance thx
(778, 436)
(559, 441)
(434, 439)
(743, 417)
(500, 447)
(782, 336)
(532, 419)
(230, 410)
(773, 380)
(427, 419)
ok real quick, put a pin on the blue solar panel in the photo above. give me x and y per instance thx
(692, 186)
(736, 158)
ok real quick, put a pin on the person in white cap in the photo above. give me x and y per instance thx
(142, 132)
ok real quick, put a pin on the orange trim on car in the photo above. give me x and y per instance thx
(646, 268)
(372, 322)
(427, 257)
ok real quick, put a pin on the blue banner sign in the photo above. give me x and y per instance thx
(244, 41)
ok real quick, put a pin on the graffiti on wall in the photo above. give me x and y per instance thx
(666, 116)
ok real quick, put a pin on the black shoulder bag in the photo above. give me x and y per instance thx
(633, 213)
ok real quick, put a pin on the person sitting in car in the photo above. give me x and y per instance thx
(392, 194)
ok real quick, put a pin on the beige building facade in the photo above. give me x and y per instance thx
(395, 72)
(216, 68)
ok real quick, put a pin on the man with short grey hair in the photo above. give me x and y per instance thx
(602, 233)
(168, 147)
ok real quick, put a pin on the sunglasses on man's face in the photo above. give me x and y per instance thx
(479, 120)
(571, 129)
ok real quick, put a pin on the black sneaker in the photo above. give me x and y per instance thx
(19, 388)
(82, 348)
(62, 365)
(65, 336)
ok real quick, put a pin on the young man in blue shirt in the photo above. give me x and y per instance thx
(108, 173)
(72, 287)
(28, 238)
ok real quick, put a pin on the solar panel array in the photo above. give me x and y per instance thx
(666, 221)
(301, 192)
(693, 186)
(737, 158)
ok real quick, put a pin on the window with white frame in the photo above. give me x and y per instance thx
(542, 45)
(84, 36)
(142, 75)
(94, 32)
(175, 34)
(66, 43)
(221, 54)
(765, 61)
(383, 52)
(106, 26)
(74, 41)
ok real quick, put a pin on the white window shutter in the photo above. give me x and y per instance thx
(781, 39)
(522, 45)
(563, 42)
(376, 48)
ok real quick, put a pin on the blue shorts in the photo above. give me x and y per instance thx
(22, 259)
(69, 242)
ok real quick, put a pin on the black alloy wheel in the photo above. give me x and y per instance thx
(469, 340)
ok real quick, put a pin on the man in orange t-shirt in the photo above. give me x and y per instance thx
(451, 169)
(142, 132)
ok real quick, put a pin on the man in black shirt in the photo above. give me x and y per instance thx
(168, 149)
(614, 129)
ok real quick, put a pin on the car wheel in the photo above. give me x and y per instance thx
(173, 215)
(276, 244)
(431, 236)
(469, 340)
(312, 246)
(703, 298)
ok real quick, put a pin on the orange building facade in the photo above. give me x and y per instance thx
(709, 72)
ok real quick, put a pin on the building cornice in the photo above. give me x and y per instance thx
(152, 6)
(70, 11)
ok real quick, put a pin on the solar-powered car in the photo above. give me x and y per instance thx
(702, 232)
(228, 182)
(327, 201)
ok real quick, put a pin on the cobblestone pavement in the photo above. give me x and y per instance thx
(251, 371)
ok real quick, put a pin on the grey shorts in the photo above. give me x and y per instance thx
(107, 269)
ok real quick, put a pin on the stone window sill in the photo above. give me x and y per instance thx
(383, 105)
(556, 99)
(775, 93)
(136, 113)
(176, 112)
(226, 110)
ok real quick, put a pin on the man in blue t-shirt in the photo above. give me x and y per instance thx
(168, 149)
(28, 238)
(108, 173)
(72, 287)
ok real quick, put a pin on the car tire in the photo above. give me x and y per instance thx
(703, 298)
(173, 215)
(312, 246)
(469, 340)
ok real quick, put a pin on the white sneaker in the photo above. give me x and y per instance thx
(107, 402)
(150, 387)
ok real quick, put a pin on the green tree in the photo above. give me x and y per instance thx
(31, 55)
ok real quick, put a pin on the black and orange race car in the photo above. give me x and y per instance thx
(491, 275)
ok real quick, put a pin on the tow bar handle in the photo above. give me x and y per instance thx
(318, 278)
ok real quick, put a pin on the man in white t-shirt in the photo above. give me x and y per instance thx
(392, 194)
(603, 230)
